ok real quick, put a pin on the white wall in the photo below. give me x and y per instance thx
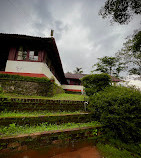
(29, 67)
(73, 87)
(48, 73)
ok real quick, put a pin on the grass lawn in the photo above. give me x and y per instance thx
(62, 96)
(34, 113)
(13, 129)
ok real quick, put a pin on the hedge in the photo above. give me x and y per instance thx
(95, 83)
(23, 78)
(118, 109)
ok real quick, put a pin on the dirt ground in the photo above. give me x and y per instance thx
(83, 152)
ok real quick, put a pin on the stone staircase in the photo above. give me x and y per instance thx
(46, 139)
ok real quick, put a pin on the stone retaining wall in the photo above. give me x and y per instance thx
(40, 104)
(45, 139)
(56, 119)
(30, 88)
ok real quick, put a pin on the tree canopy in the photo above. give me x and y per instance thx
(136, 45)
(109, 65)
(120, 11)
(78, 70)
(130, 54)
(95, 83)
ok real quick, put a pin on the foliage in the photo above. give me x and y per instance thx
(137, 42)
(44, 86)
(96, 82)
(121, 11)
(1, 90)
(78, 70)
(110, 151)
(23, 78)
(109, 65)
(132, 147)
(13, 129)
(135, 71)
(57, 89)
(118, 109)
(130, 54)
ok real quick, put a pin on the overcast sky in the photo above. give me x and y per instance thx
(81, 34)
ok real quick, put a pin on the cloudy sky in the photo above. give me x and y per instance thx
(81, 34)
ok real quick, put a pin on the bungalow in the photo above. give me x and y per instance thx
(31, 56)
(74, 79)
(74, 82)
(36, 57)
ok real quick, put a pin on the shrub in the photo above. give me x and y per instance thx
(1, 90)
(118, 109)
(95, 83)
(23, 78)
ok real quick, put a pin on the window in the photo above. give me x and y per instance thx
(68, 81)
(22, 54)
(33, 55)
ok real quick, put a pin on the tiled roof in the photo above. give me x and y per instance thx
(19, 36)
(114, 79)
(79, 76)
(74, 76)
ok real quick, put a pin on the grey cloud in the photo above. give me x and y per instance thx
(45, 21)
(81, 34)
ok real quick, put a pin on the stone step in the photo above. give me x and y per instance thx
(45, 139)
(20, 104)
(51, 119)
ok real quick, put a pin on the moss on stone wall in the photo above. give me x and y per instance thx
(40, 104)
(29, 85)
(58, 119)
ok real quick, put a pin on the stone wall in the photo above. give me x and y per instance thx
(56, 138)
(35, 120)
(30, 88)
(20, 104)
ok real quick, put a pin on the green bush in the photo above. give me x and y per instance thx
(110, 151)
(118, 109)
(95, 83)
(57, 89)
(23, 78)
(1, 90)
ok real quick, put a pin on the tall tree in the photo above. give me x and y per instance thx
(78, 70)
(109, 65)
(130, 54)
(120, 11)
(136, 45)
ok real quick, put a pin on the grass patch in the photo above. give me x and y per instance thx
(13, 129)
(110, 151)
(65, 96)
(62, 96)
(33, 113)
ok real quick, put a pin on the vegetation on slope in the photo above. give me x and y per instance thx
(13, 129)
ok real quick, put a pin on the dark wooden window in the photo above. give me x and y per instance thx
(33, 55)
